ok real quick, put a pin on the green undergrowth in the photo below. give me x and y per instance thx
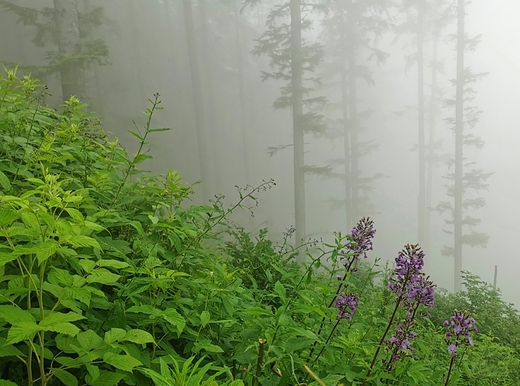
(110, 276)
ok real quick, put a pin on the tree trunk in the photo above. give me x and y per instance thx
(200, 121)
(459, 129)
(422, 152)
(241, 90)
(353, 127)
(431, 140)
(345, 116)
(71, 71)
(297, 109)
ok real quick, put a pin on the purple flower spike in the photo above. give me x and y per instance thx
(460, 326)
(346, 305)
(360, 240)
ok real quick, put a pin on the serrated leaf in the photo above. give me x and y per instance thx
(205, 316)
(59, 317)
(87, 265)
(4, 181)
(138, 336)
(106, 378)
(112, 264)
(63, 328)
(207, 347)
(75, 214)
(6, 258)
(80, 241)
(22, 331)
(173, 317)
(14, 315)
(46, 250)
(102, 276)
(257, 311)
(114, 335)
(121, 362)
(65, 377)
(89, 340)
(93, 226)
(7, 216)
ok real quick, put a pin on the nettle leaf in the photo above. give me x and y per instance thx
(106, 378)
(114, 335)
(59, 317)
(138, 336)
(8, 216)
(87, 265)
(102, 276)
(14, 315)
(46, 250)
(207, 347)
(22, 331)
(6, 258)
(121, 362)
(80, 241)
(89, 340)
(93, 226)
(65, 377)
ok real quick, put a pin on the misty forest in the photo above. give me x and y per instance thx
(259, 192)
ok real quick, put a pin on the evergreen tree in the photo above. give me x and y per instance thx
(293, 61)
(352, 29)
(67, 29)
(466, 181)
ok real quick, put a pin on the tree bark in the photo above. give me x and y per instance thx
(71, 71)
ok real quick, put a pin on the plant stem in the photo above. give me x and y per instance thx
(328, 340)
(452, 362)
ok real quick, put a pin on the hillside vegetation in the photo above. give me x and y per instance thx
(110, 276)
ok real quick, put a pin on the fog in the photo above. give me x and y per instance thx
(245, 140)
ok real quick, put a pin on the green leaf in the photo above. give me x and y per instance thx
(121, 362)
(65, 377)
(138, 336)
(105, 378)
(7, 216)
(3, 382)
(102, 276)
(257, 311)
(173, 317)
(22, 331)
(114, 335)
(80, 241)
(75, 214)
(87, 265)
(9, 350)
(6, 258)
(4, 181)
(205, 316)
(63, 328)
(59, 317)
(89, 340)
(112, 264)
(280, 291)
(207, 347)
(14, 315)
(46, 250)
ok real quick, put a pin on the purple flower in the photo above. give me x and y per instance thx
(460, 326)
(346, 304)
(359, 241)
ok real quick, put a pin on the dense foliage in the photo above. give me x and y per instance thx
(108, 276)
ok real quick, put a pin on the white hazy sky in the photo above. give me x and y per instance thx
(499, 97)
